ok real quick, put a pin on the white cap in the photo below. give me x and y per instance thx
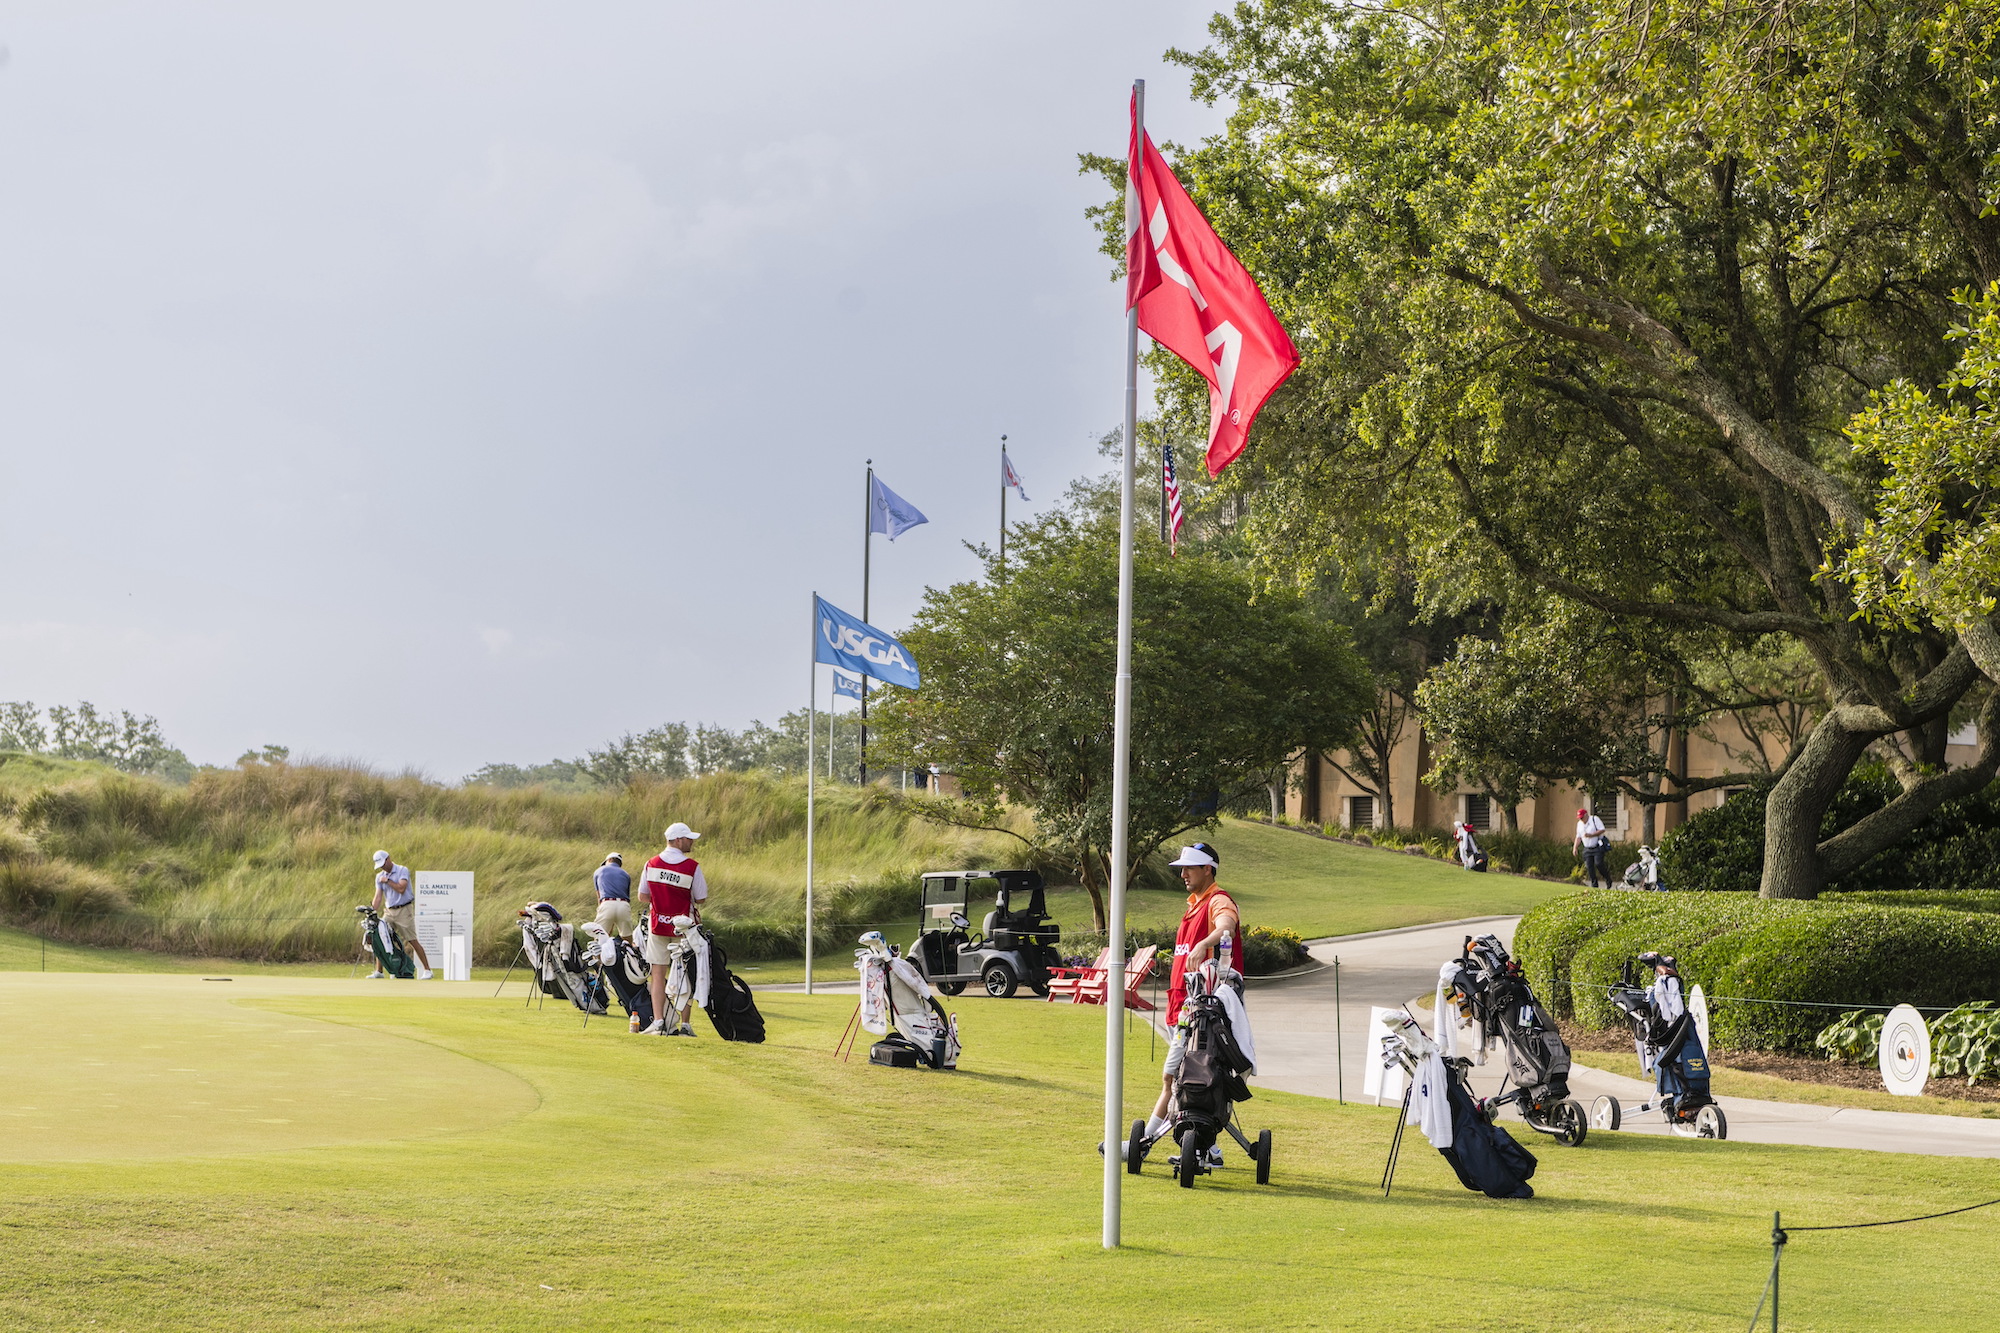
(614, 857)
(381, 859)
(680, 831)
(1192, 856)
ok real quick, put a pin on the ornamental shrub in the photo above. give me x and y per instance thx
(1956, 848)
(1746, 953)
(1965, 1041)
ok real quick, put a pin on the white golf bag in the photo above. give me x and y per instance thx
(894, 993)
(687, 966)
(549, 944)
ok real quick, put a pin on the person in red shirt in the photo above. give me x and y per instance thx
(671, 885)
(1211, 917)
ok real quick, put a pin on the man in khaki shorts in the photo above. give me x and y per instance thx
(614, 896)
(396, 900)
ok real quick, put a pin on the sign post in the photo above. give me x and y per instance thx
(444, 920)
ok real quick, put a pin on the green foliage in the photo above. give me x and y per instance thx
(1539, 262)
(1265, 950)
(1854, 1038)
(1742, 950)
(1958, 845)
(1958, 900)
(1228, 684)
(267, 861)
(1965, 1043)
(126, 742)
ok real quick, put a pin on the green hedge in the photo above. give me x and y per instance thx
(1958, 846)
(1958, 900)
(1265, 950)
(1834, 953)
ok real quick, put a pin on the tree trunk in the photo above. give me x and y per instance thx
(1797, 804)
(1095, 871)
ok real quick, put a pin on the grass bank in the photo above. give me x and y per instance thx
(792, 1188)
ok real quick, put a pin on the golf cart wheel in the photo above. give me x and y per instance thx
(1041, 991)
(1264, 1158)
(999, 980)
(951, 987)
(1135, 1148)
(1190, 1157)
(1710, 1123)
(1570, 1124)
(1605, 1113)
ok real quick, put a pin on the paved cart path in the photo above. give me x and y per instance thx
(1298, 1050)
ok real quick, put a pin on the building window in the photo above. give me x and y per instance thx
(1479, 811)
(1361, 812)
(1606, 809)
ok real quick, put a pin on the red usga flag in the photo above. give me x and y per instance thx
(1197, 300)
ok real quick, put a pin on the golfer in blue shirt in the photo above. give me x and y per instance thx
(614, 896)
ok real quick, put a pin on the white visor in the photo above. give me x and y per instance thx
(1192, 856)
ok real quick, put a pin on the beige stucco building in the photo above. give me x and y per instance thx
(1321, 793)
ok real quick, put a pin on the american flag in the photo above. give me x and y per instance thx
(1172, 489)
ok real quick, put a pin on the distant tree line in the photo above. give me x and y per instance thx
(127, 742)
(676, 750)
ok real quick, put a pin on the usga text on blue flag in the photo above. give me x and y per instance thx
(854, 644)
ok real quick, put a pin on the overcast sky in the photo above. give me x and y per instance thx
(434, 384)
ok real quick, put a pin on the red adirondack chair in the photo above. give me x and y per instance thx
(1071, 982)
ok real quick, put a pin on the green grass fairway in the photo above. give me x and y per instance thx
(1319, 887)
(640, 1182)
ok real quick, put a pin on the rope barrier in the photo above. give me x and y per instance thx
(1896, 1221)
(1781, 1233)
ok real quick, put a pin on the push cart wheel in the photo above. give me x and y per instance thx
(1190, 1157)
(999, 980)
(1605, 1113)
(1135, 1148)
(1710, 1123)
(1570, 1124)
(1264, 1158)
(951, 987)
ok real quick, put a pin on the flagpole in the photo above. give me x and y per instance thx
(812, 702)
(1121, 756)
(867, 549)
(1003, 505)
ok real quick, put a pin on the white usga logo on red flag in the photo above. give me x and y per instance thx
(844, 641)
(1197, 300)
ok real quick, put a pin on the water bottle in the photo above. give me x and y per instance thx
(633, 1026)
(1223, 955)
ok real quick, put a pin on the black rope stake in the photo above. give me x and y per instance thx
(1779, 1236)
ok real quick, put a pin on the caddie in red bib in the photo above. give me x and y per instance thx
(1211, 926)
(671, 886)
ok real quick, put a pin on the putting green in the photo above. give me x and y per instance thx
(113, 1067)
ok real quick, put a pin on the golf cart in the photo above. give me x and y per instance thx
(1015, 945)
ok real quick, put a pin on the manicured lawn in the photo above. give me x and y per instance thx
(436, 1159)
(1319, 887)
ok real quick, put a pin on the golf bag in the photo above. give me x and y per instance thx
(1488, 987)
(1670, 1049)
(1213, 1060)
(549, 944)
(386, 943)
(622, 964)
(731, 1007)
(895, 994)
(1483, 1156)
(1644, 873)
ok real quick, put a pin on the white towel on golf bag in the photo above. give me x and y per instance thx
(1667, 1002)
(874, 994)
(690, 956)
(383, 929)
(1430, 1106)
(1239, 1024)
(1449, 1021)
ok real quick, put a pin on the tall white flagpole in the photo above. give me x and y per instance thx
(1121, 748)
(812, 701)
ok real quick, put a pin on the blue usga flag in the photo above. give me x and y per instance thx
(847, 685)
(843, 641)
(889, 512)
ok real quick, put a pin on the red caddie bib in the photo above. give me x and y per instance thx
(1200, 919)
(671, 887)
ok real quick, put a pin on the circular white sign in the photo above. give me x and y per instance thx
(1698, 1007)
(1905, 1054)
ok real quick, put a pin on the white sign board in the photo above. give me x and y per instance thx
(1905, 1054)
(444, 911)
(1698, 1010)
(1376, 1081)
